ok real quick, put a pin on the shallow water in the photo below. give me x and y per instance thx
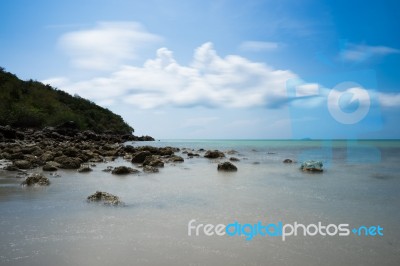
(56, 226)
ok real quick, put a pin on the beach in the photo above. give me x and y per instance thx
(55, 225)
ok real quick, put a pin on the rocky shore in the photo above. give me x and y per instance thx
(60, 147)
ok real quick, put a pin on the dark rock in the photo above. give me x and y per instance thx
(176, 159)
(68, 162)
(23, 164)
(123, 170)
(36, 179)
(153, 160)
(214, 154)
(8, 132)
(287, 161)
(234, 159)
(150, 169)
(85, 169)
(139, 157)
(312, 166)
(230, 152)
(108, 169)
(51, 166)
(227, 166)
(106, 198)
(11, 168)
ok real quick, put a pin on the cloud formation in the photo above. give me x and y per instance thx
(106, 45)
(210, 80)
(360, 53)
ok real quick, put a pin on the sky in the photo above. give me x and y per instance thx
(217, 69)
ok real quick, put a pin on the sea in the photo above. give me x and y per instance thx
(273, 213)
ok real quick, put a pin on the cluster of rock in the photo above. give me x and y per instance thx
(61, 147)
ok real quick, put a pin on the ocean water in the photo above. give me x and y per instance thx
(360, 186)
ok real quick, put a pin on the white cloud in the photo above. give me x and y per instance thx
(106, 45)
(258, 46)
(360, 53)
(210, 80)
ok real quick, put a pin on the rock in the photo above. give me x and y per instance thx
(312, 166)
(140, 156)
(230, 152)
(85, 169)
(106, 198)
(214, 154)
(234, 159)
(68, 162)
(176, 159)
(150, 169)
(287, 161)
(51, 166)
(11, 168)
(153, 160)
(227, 166)
(8, 132)
(123, 170)
(23, 164)
(108, 169)
(36, 179)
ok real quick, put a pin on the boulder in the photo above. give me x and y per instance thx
(68, 162)
(234, 159)
(85, 169)
(23, 164)
(176, 159)
(312, 166)
(106, 198)
(227, 166)
(287, 161)
(214, 154)
(51, 166)
(36, 179)
(140, 156)
(153, 160)
(124, 170)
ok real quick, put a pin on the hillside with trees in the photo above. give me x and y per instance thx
(31, 104)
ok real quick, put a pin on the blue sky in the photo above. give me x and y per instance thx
(217, 69)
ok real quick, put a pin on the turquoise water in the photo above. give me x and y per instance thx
(360, 186)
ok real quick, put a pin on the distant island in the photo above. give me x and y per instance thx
(34, 105)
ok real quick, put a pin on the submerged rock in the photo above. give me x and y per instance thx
(36, 179)
(312, 166)
(234, 159)
(287, 161)
(214, 154)
(106, 198)
(227, 166)
(124, 170)
(150, 169)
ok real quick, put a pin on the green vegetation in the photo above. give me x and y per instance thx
(31, 104)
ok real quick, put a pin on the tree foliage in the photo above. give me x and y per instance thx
(31, 104)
